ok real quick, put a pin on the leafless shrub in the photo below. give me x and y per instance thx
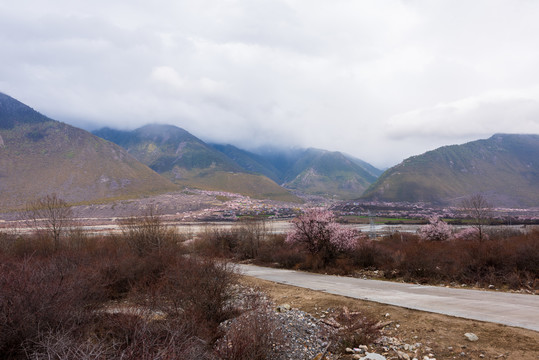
(353, 329)
(200, 288)
(253, 232)
(275, 251)
(123, 272)
(147, 233)
(49, 301)
(134, 337)
(7, 240)
(241, 241)
(254, 335)
(368, 255)
(50, 216)
(38, 295)
(218, 242)
(62, 344)
(77, 238)
(504, 260)
(477, 208)
(36, 244)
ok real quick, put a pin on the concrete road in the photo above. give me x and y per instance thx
(519, 310)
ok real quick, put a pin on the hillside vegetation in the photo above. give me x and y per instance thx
(309, 171)
(325, 173)
(170, 150)
(39, 156)
(504, 168)
(188, 161)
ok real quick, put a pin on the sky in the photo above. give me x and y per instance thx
(381, 80)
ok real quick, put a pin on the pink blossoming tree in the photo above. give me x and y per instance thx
(435, 230)
(319, 233)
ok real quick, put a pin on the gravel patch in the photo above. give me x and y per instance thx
(291, 334)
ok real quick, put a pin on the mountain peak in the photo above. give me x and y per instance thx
(161, 130)
(40, 156)
(13, 112)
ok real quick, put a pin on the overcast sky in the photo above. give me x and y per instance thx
(381, 80)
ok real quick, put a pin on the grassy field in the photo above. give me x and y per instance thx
(255, 186)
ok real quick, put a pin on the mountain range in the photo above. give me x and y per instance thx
(188, 161)
(39, 156)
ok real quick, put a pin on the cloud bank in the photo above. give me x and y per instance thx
(378, 80)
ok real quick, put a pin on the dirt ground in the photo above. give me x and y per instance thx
(440, 335)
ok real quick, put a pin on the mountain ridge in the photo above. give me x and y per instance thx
(327, 173)
(310, 171)
(504, 168)
(40, 156)
(303, 171)
(190, 162)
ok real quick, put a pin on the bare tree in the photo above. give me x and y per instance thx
(148, 233)
(252, 232)
(479, 210)
(50, 214)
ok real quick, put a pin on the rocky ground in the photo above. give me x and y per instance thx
(406, 334)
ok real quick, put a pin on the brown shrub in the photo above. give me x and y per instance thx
(146, 234)
(131, 336)
(502, 261)
(218, 242)
(39, 294)
(7, 240)
(64, 344)
(254, 335)
(48, 301)
(36, 244)
(356, 328)
(199, 288)
(120, 274)
(368, 255)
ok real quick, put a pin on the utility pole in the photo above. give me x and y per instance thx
(372, 232)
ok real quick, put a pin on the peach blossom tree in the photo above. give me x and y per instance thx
(319, 233)
(435, 230)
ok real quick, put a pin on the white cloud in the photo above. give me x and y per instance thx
(378, 79)
(510, 111)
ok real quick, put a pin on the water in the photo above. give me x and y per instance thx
(281, 227)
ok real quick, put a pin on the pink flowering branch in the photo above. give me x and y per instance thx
(318, 231)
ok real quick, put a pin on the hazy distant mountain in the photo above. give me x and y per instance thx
(170, 150)
(251, 162)
(366, 166)
(188, 161)
(39, 156)
(504, 168)
(321, 172)
(309, 171)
